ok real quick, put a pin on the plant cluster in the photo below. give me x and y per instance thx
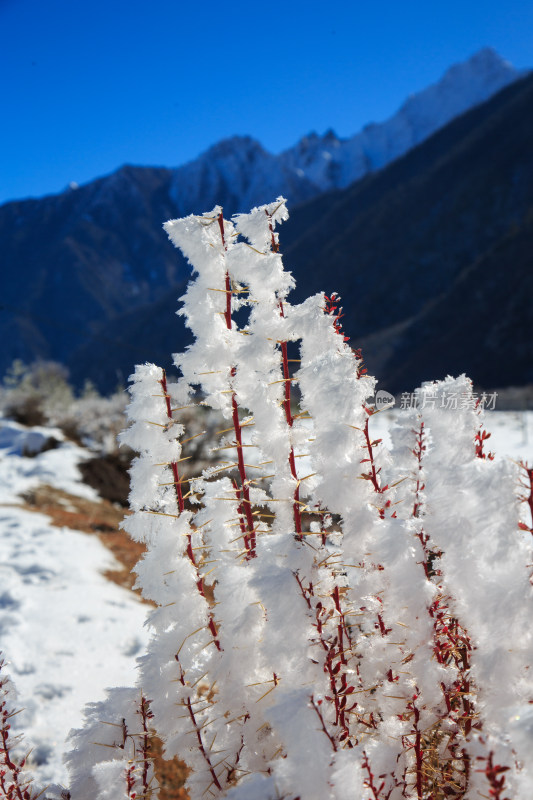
(334, 618)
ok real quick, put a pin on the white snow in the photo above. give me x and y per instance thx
(511, 434)
(55, 467)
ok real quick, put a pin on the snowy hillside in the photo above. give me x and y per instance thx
(66, 631)
(241, 172)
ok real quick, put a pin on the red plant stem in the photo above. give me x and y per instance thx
(327, 648)
(419, 756)
(451, 643)
(382, 627)
(321, 718)
(287, 402)
(173, 464)
(418, 452)
(528, 497)
(227, 313)
(242, 523)
(497, 784)
(290, 420)
(232, 769)
(130, 782)
(342, 634)
(16, 788)
(146, 714)
(286, 378)
(5, 747)
(245, 504)
(333, 650)
(479, 439)
(198, 730)
(181, 506)
(330, 309)
(244, 491)
(373, 475)
(273, 243)
(336, 648)
(376, 791)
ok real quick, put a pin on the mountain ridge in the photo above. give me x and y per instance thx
(462, 87)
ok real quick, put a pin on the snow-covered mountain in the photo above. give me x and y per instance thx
(240, 173)
(236, 173)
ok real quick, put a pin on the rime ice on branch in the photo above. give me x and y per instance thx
(15, 781)
(112, 756)
(334, 620)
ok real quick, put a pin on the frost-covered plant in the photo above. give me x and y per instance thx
(15, 780)
(121, 727)
(333, 619)
(94, 420)
(39, 394)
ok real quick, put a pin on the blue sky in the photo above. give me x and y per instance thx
(86, 87)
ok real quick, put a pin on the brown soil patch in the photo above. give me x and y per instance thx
(98, 517)
(171, 774)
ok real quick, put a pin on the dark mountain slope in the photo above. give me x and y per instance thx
(395, 244)
(481, 325)
(72, 261)
(149, 333)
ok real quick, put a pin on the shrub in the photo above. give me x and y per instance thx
(40, 394)
(333, 618)
(36, 394)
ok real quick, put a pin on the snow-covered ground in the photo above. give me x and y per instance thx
(66, 631)
(511, 432)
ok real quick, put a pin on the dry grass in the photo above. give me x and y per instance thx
(101, 518)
